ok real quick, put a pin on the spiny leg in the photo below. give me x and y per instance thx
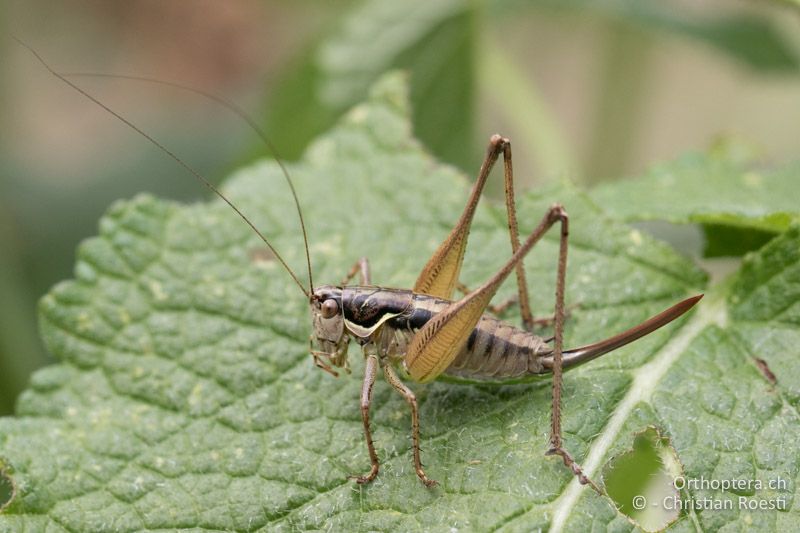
(360, 267)
(438, 342)
(394, 381)
(556, 443)
(500, 145)
(370, 370)
(439, 276)
(513, 230)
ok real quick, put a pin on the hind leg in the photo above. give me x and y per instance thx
(556, 441)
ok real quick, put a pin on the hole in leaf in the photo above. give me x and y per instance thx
(641, 481)
(6, 488)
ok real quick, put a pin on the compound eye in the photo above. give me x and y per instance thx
(329, 308)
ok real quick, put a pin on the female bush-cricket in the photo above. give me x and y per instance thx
(423, 332)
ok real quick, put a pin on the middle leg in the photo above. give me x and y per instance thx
(399, 386)
(556, 441)
(438, 342)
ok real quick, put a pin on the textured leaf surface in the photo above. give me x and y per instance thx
(727, 417)
(708, 187)
(186, 399)
(739, 205)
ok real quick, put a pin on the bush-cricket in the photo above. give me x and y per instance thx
(425, 332)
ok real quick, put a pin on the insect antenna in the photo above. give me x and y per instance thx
(195, 173)
(231, 106)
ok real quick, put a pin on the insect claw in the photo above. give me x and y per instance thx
(428, 482)
(367, 478)
(318, 362)
(570, 463)
(326, 368)
(329, 370)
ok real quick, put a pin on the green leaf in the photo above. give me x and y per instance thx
(726, 389)
(739, 205)
(434, 41)
(460, 63)
(185, 397)
(750, 38)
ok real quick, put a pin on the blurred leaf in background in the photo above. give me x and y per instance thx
(739, 204)
(457, 55)
(589, 90)
(63, 160)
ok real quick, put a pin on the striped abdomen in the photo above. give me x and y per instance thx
(494, 351)
(498, 351)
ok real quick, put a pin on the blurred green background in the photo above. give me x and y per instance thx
(591, 90)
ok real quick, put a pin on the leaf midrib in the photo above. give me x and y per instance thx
(713, 311)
